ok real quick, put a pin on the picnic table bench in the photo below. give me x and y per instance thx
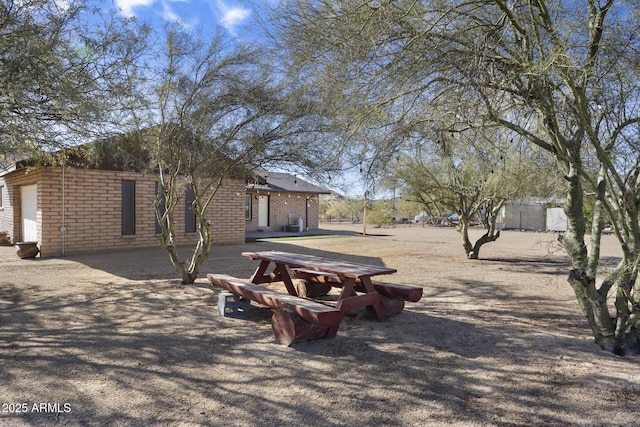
(294, 319)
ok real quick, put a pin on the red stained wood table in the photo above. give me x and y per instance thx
(347, 272)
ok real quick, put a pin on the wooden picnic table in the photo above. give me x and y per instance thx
(347, 272)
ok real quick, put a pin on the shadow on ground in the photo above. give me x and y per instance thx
(122, 345)
(111, 357)
(153, 263)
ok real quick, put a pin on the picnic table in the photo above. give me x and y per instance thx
(297, 318)
(347, 274)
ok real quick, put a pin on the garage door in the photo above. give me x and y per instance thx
(29, 205)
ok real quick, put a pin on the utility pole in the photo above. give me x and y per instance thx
(364, 216)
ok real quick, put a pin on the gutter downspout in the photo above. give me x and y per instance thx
(63, 228)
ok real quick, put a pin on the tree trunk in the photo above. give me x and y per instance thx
(486, 238)
(188, 277)
(463, 229)
(627, 317)
(491, 214)
(202, 250)
(627, 303)
(473, 250)
(592, 302)
(632, 340)
(165, 203)
(594, 307)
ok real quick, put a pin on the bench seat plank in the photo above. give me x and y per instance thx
(310, 311)
(393, 290)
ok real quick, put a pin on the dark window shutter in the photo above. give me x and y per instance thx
(189, 215)
(128, 208)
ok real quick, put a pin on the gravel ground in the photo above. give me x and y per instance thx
(114, 339)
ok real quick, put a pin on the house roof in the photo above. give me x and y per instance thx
(284, 182)
(123, 152)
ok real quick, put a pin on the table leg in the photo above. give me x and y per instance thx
(348, 290)
(377, 303)
(349, 300)
(280, 273)
(259, 275)
(283, 274)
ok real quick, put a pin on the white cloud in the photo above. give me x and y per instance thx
(63, 5)
(234, 16)
(126, 6)
(231, 15)
(169, 15)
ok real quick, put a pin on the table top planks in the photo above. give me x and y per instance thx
(316, 263)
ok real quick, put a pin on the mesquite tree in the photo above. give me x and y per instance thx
(221, 114)
(561, 74)
(443, 186)
(473, 173)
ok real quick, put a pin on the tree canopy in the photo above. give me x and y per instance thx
(560, 74)
(65, 73)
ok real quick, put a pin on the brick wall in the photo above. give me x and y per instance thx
(285, 208)
(226, 213)
(314, 212)
(93, 211)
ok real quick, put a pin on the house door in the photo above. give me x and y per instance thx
(29, 209)
(263, 211)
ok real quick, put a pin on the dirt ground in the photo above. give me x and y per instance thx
(113, 339)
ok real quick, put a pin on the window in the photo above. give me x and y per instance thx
(247, 207)
(1, 195)
(189, 214)
(162, 207)
(128, 208)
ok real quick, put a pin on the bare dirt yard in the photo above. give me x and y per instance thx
(114, 339)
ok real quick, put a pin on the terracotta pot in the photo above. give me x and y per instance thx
(5, 240)
(27, 249)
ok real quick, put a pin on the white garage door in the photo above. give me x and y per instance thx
(29, 197)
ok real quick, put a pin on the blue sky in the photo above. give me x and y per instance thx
(236, 17)
(191, 14)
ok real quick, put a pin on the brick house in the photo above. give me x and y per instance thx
(276, 201)
(84, 209)
(73, 210)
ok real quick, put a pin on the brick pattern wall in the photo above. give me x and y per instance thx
(284, 209)
(314, 212)
(226, 213)
(93, 211)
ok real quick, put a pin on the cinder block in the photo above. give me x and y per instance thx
(231, 305)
